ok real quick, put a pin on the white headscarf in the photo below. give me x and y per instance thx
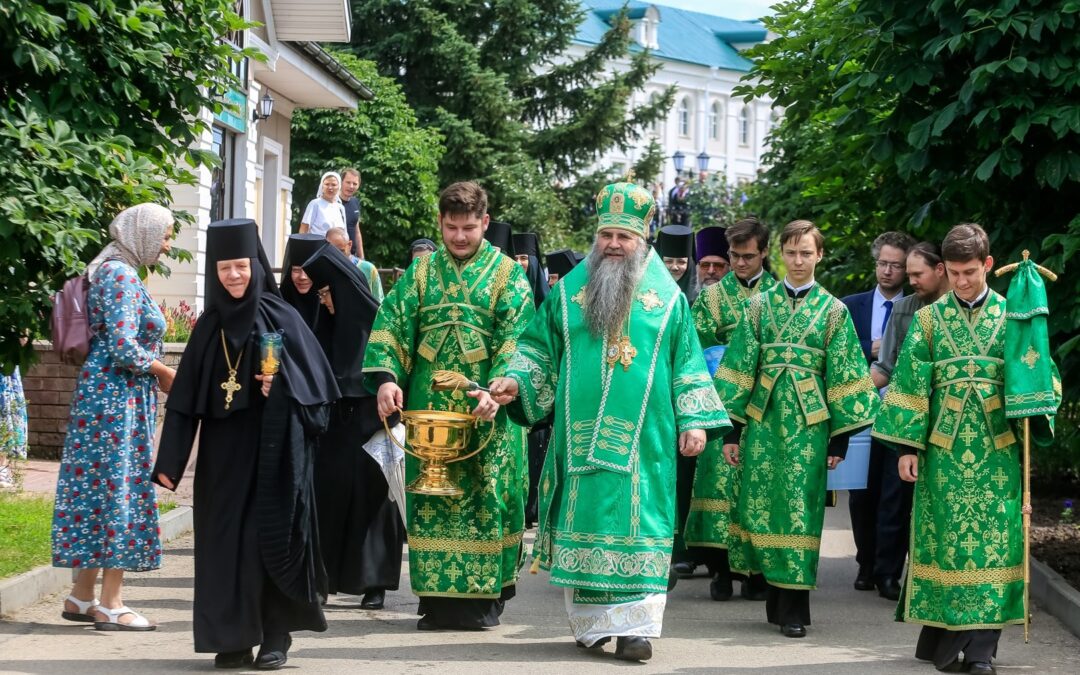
(318, 190)
(137, 233)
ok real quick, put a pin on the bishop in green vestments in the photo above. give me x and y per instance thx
(716, 483)
(945, 412)
(794, 375)
(612, 353)
(459, 309)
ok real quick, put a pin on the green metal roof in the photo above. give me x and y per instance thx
(690, 37)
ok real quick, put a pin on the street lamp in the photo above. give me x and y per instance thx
(678, 159)
(265, 108)
(702, 162)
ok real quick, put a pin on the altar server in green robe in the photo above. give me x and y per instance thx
(459, 309)
(945, 412)
(795, 376)
(716, 483)
(612, 353)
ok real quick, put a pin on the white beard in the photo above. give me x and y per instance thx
(610, 290)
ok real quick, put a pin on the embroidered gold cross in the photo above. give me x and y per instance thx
(1000, 478)
(455, 313)
(650, 300)
(453, 288)
(427, 513)
(807, 452)
(1031, 357)
(453, 572)
(971, 368)
(579, 297)
(484, 514)
(788, 354)
(969, 544)
(968, 434)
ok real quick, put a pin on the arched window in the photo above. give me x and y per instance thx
(744, 126)
(715, 116)
(684, 117)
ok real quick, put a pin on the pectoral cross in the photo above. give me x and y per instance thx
(231, 386)
(623, 352)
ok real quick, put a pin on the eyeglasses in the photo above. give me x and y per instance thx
(886, 265)
(713, 265)
(740, 257)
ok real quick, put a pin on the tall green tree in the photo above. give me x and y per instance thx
(514, 112)
(398, 162)
(918, 116)
(100, 101)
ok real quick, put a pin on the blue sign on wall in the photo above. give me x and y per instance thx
(235, 117)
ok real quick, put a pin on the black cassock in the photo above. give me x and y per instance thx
(257, 565)
(360, 529)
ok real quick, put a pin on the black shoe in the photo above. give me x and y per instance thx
(685, 570)
(864, 582)
(754, 588)
(633, 649)
(889, 589)
(981, 668)
(672, 579)
(793, 630)
(720, 588)
(274, 652)
(427, 623)
(596, 645)
(373, 600)
(954, 667)
(234, 659)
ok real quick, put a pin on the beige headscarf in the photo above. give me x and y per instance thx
(137, 233)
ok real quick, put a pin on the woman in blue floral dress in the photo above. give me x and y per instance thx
(12, 426)
(106, 515)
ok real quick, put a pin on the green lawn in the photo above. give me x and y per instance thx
(25, 529)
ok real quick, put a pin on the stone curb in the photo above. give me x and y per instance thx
(1056, 596)
(29, 587)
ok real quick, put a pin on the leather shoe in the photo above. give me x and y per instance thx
(981, 668)
(955, 667)
(274, 652)
(427, 623)
(864, 582)
(793, 630)
(373, 600)
(633, 649)
(596, 645)
(889, 589)
(672, 580)
(237, 659)
(685, 570)
(754, 588)
(720, 588)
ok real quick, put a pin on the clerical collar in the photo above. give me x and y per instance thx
(976, 303)
(800, 292)
(749, 283)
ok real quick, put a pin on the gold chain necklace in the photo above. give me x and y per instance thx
(230, 385)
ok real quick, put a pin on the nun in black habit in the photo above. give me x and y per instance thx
(258, 574)
(360, 529)
(675, 245)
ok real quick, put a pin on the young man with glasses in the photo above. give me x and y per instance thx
(716, 311)
(871, 311)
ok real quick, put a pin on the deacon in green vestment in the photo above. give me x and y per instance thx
(794, 375)
(612, 353)
(945, 412)
(716, 483)
(459, 309)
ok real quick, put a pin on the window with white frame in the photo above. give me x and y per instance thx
(684, 117)
(715, 116)
(744, 126)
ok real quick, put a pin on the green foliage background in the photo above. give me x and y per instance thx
(98, 100)
(921, 115)
(397, 159)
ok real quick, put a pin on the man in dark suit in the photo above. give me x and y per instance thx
(870, 312)
(350, 183)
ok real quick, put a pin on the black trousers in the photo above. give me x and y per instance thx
(787, 605)
(944, 646)
(881, 516)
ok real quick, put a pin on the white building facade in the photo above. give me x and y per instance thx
(699, 56)
(253, 180)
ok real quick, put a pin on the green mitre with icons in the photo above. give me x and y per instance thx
(625, 206)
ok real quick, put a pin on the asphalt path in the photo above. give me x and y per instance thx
(853, 632)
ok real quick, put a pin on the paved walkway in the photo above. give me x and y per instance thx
(853, 632)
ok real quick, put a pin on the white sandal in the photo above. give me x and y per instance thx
(140, 622)
(86, 610)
